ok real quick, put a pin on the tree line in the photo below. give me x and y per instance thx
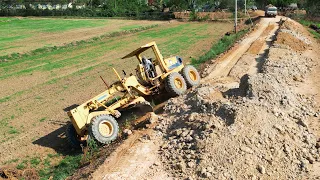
(111, 8)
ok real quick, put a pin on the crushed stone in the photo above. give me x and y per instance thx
(257, 131)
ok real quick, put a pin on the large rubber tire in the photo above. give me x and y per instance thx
(191, 75)
(104, 128)
(72, 137)
(175, 84)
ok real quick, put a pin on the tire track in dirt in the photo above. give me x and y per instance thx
(223, 65)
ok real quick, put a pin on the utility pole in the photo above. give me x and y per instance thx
(236, 16)
(245, 7)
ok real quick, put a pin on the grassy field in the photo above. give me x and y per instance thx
(171, 40)
(39, 32)
(36, 88)
(307, 23)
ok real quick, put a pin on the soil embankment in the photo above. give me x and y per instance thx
(257, 119)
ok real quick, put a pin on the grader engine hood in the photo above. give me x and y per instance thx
(173, 62)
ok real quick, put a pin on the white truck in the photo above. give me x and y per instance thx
(270, 11)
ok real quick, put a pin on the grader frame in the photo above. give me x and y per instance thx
(107, 104)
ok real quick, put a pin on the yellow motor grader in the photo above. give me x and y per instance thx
(96, 118)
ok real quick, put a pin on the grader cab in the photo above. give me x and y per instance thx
(96, 118)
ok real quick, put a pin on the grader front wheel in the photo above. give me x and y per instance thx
(104, 128)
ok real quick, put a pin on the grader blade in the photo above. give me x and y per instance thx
(145, 107)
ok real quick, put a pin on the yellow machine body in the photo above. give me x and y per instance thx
(132, 88)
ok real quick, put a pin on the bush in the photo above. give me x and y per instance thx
(95, 12)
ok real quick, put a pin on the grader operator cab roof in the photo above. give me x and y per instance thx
(140, 50)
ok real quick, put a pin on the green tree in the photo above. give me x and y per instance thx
(313, 7)
(278, 3)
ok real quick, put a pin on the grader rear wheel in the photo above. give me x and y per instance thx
(104, 128)
(175, 84)
(191, 75)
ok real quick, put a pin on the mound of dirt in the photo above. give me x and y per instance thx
(257, 131)
(288, 39)
(293, 35)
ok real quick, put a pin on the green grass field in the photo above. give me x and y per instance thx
(13, 31)
(307, 23)
(27, 25)
(171, 41)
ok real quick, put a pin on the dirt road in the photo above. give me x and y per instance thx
(258, 41)
(162, 154)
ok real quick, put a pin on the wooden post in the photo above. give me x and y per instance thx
(236, 16)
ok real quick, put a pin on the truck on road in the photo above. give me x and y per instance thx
(270, 11)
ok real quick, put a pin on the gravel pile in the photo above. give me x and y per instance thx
(293, 35)
(295, 29)
(257, 131)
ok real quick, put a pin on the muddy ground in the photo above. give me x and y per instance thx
(255, 116)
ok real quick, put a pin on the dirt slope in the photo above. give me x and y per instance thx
(255, 116)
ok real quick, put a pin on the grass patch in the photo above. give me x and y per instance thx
(11, 161)
(11, 38)
(128, 122)
(13, 130)
(4, 122)
(38, 97)
(163, 33)
(65, 168)
(308, 23)
(22, 165)
(130, 27)
(48, 25)
(223, 44)
(5, 99)
(52, 81)
(53, 155)
(8, 98)
(35, 161)
(42, 119)
(313, 32)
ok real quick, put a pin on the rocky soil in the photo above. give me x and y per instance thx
(259, 130)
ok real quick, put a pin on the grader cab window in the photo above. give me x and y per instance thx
(150, 63)
(149, 54)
